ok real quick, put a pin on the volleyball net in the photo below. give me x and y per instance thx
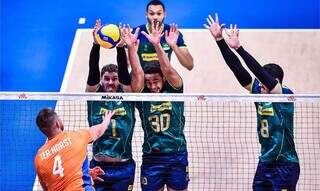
(221, 133)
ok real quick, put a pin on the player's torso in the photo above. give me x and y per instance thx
(146, 50)
(163, 125)
(275, 128)
(61, 164)
(116, 141)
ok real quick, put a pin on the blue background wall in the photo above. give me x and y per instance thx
(36, 38)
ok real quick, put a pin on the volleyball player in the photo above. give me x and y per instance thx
(278, 167)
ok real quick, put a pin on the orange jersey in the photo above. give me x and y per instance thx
(62, 164)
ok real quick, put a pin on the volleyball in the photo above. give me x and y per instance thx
(108, 35)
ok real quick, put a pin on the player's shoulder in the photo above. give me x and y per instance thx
(166, 27)
(142, 27)
(286, 90)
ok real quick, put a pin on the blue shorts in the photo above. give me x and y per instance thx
(118, 175)
(160, 169)
(276, 177)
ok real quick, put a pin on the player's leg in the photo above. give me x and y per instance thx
(286, 176)
(118, 176)
(152, 173)
(178, 173)
(125, 176)
(261, 181)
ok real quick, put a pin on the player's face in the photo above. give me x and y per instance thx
(110, 81)
(155, 14)
(154, 82)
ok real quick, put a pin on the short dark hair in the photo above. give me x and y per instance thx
(155, 2)
(46, 118)
(153, 67)
(274, 70)
(109, 68)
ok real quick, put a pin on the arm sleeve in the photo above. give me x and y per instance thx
(234, 64)
(94, 72)
(123, 73)
(257, 69)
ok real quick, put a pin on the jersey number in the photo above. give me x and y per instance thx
(160, 122)
(264, 128)
(113, 128)
(57, 166)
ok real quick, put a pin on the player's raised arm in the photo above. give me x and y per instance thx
(98, 130)
(94, 72)
(123, 73)
(182, 54)
(266, 79)
(168, 71)
(137, 75)
(231, 59)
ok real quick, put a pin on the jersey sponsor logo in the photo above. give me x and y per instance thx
(265, 111)
(119, 111)
(162, 107)
(113, 97)
(149, 57)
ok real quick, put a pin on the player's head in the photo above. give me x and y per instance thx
(49, 122)
(275, 71)
(155, 12)
(109, 78)
(153, 76)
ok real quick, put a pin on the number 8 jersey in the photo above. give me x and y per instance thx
(275, 129)
(163, 124)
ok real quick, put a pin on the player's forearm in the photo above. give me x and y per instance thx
(234, 64)
(257, 69)
(98, 130)
(94, 73)
(163, 59)
(137, 79)
(168, 71)
(184, 57)
(123, 73)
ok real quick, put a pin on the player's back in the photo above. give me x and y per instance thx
(62, 164)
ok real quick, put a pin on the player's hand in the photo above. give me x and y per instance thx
(155, 35)
(215, 27)
(95, 29)
(172, 35)
(233, 37)
(107, 117)
(95, 173)
(128, 38)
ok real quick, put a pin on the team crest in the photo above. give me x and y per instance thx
(130, 187)
(165, 46)
(144, 181)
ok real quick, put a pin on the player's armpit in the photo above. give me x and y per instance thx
(249, 87)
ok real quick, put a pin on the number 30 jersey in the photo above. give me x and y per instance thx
(163, 124)
(62, 164)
